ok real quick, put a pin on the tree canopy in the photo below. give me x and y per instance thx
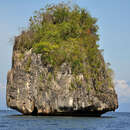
(65, 34)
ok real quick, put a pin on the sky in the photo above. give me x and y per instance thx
(114, 30)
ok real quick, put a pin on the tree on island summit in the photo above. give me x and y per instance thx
(65, 34)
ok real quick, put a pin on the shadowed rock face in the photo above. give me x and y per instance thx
(36, 89)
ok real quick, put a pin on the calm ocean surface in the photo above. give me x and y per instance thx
(11, 120)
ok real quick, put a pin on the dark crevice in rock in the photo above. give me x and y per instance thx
(35, 111)
(78, 113)
(66, 108)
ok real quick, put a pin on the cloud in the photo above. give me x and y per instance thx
(123, 91)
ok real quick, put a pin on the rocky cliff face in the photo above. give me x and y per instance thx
(37, 89)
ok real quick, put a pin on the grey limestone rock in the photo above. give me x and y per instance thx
(36, 89)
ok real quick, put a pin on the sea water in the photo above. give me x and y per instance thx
(12, 120)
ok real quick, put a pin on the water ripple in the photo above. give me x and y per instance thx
(10, 120)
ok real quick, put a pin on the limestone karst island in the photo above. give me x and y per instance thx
(58, 68)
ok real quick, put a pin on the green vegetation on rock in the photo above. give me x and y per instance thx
(64, 34)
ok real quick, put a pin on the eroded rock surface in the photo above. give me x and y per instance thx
(33, 88)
